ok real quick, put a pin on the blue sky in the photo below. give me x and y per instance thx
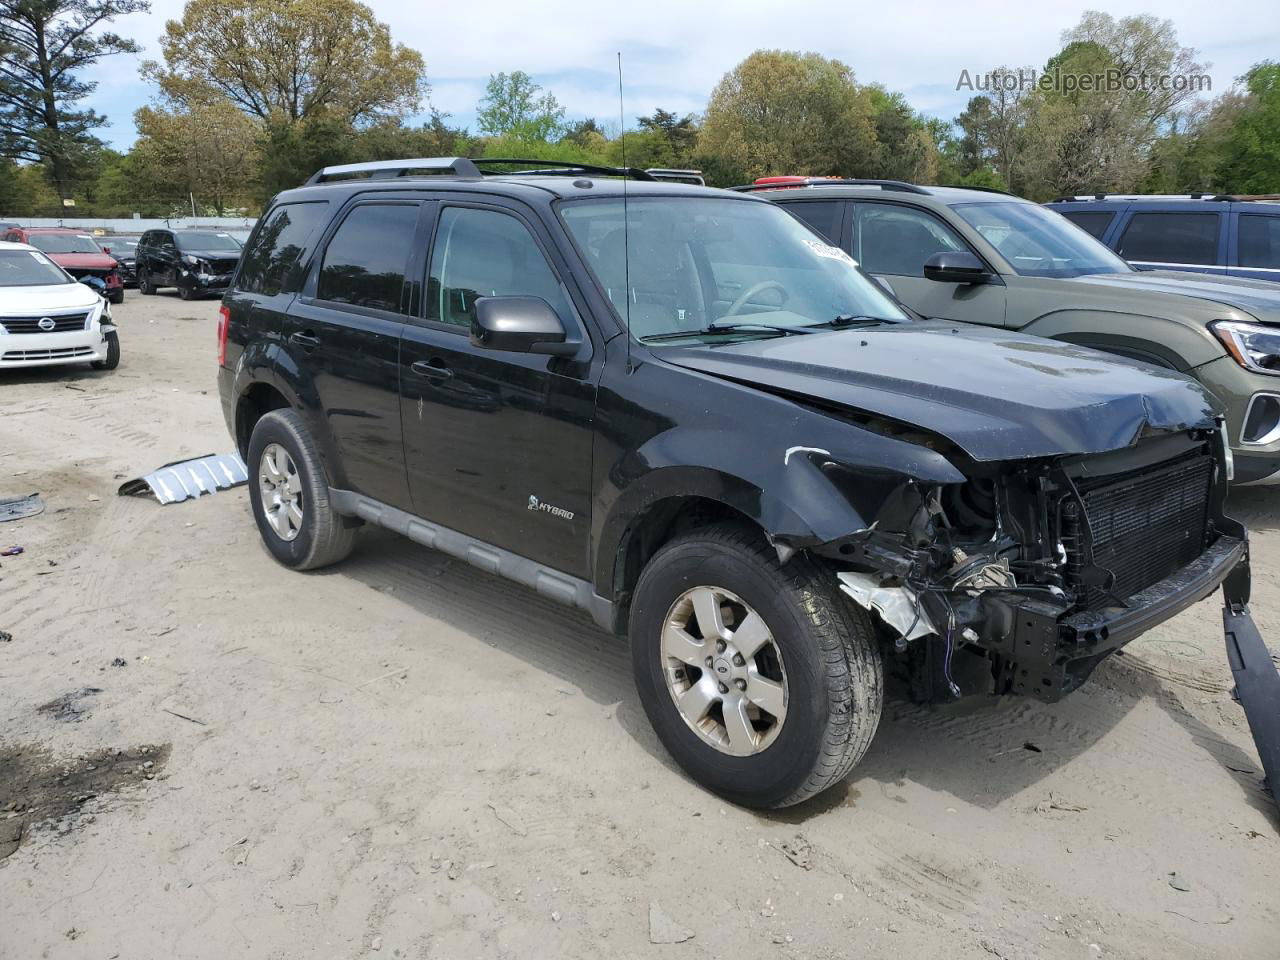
(675, 52)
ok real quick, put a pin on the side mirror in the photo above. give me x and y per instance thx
(956, 266)
(521, 325)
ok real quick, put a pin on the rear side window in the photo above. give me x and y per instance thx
(1171, 238)
(482, 253)
(1092, 222)
(822, 216)
(270, 263)
(1259, 241)
(365, 262)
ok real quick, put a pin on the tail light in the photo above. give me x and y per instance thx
(224, 321)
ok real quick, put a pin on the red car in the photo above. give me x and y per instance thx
(75, 252)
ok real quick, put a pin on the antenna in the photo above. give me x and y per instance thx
(626, 216)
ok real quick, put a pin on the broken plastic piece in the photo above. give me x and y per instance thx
(898, 607)
(10, 551)
(1257, 688)
(15, 508)
(188, 479)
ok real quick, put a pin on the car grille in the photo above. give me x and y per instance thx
(222, 268)
(1146, 525)
(61, 324)
(61, 353)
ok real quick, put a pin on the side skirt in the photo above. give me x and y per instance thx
(503, 563)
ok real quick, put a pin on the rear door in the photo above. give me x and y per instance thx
(1255, 247)
(343, 337)
(1191, 240)
(498, 444)
(893, 241)
(165, 259)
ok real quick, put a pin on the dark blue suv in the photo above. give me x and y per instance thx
(1238, 237)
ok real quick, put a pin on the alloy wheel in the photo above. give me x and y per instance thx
(281, 491)
(724, 671)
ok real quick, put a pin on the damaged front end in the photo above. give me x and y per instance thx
(1026, 576)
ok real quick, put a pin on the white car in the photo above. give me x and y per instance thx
(47, 317)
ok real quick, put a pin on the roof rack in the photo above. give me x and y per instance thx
(388, 169)
(568, 169)
(677, 176)
(787, 183)
(1087, 197)
(965, 186)
(463, 167)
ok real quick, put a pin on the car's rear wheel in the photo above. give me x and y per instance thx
(113, 353)
(289, 494)
(145, 286)
(763, 681)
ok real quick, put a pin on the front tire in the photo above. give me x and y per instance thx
(113, 353)
(145, 286)
(289, 494)
(714, 613)
(186, 291)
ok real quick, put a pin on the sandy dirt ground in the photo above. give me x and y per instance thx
(203, 755)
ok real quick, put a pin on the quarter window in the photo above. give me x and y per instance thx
(1092, 222)
(483, 253)
(366, 259)
(897, 240)
(1259, 241)
(1171, 238)
(271, 260)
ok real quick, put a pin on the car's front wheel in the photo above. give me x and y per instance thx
(289, 494)
(113, 353)
(762, 680)
(145, 285)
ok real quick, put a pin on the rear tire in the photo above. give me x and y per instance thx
(830, 666)
(289, 494)
(113, 353)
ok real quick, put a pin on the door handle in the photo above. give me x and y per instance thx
(433, 369)
(307, 340)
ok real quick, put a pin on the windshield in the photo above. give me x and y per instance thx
(64, 242)
(200, 240)
(28, 268)
(1038, 242)
(692, 263)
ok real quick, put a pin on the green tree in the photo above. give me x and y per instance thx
(45, 47)
(782, 112)
(206, 154)
(681, 133)
(288, 61)
(1251, 149)
(514, 106)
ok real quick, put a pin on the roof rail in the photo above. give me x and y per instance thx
(1086, 197)
(678, 176)
(788, 183)
(965, 186)
(386, 169)
(567, 169)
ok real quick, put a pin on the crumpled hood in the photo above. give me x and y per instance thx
(213, 254)
(1259, 297)
(995, 394)
(83, 261)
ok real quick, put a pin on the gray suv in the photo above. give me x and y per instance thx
(986, 257)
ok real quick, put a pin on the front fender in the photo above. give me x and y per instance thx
(1159, 340)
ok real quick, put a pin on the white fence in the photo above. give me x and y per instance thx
(237, 226)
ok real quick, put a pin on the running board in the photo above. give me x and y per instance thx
(503, 563)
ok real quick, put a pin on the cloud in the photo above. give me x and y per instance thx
(675, 52)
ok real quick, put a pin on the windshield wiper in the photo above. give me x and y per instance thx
(848, 320)
(722, 327)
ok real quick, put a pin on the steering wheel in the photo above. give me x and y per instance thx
(751, 291)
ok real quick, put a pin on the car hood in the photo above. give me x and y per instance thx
(82, 261)
(996, 395)
(25, 301)
(213, 254)
(1259, 297)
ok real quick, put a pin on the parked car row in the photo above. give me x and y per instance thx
(687, 413)
(988, 258)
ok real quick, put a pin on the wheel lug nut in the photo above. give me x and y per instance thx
(737, 660)
(709, 661)
(723, 688)
(719, 646)
(740, 684)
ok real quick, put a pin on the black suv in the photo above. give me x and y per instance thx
(197, 262)
(677, 409)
